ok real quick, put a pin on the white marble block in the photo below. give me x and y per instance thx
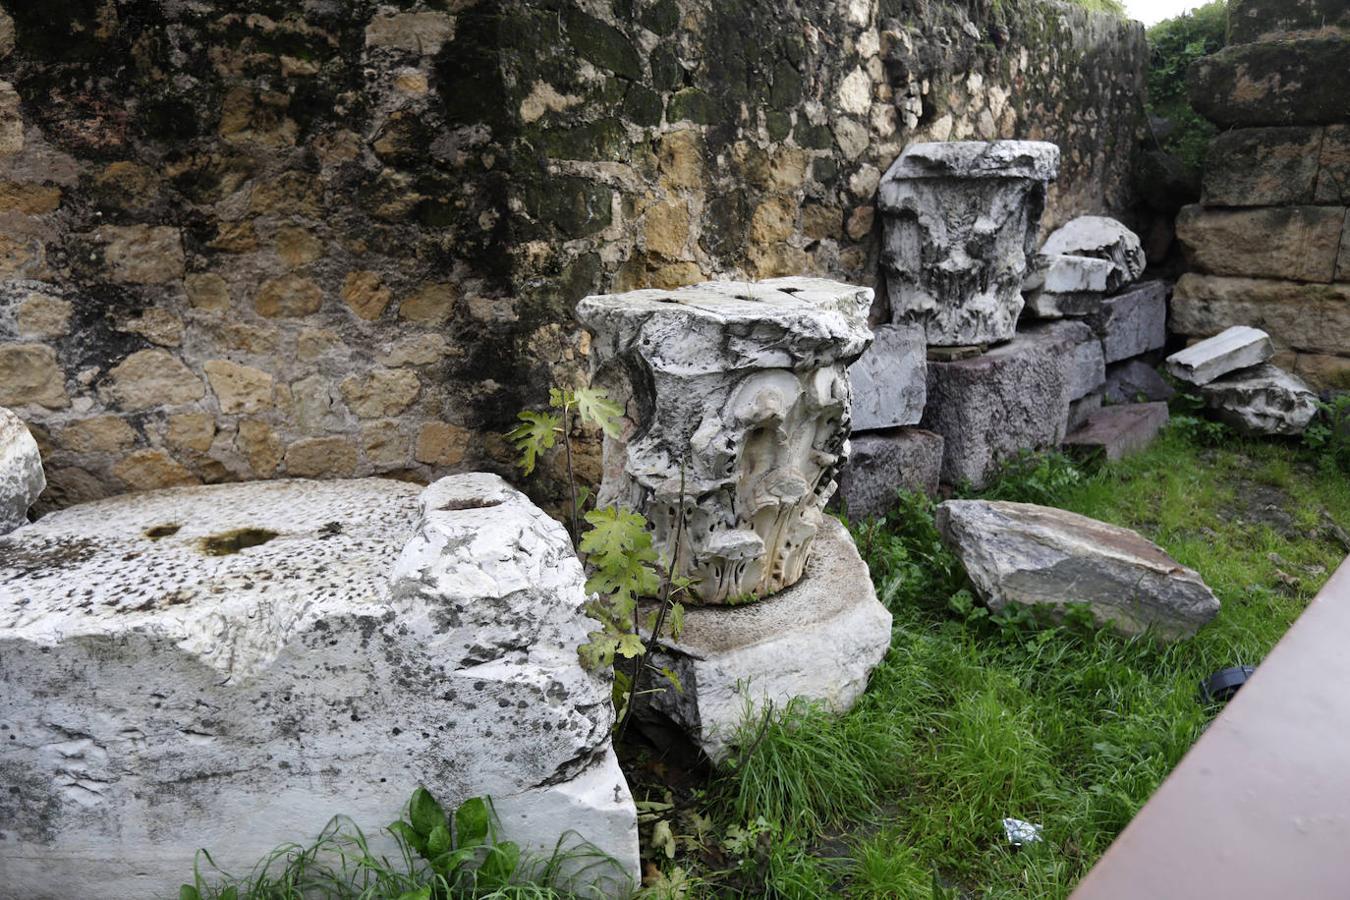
(889, 382)
(21, 475)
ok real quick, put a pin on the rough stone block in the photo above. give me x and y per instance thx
(1081, 409)
(729, 378)
(1133, 322)
(1251, 20)
(1319, 370)
(1118, 431)
(959, 220)
(1233, 348)
(883, 462)
(229, 666)
(1333, 169)
(889, 381)
(1083, 362)
(1100, 237)
(1309, 317)
(1262, 167)
(1262, 400)
(21, 475)
(1063, 286)
(818, 640)
(1135, 381)
(1277, 82)
(1043, 557)
(1016, 397)
(1299, 243)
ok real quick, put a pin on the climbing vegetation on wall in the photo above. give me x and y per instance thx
(1173, 45)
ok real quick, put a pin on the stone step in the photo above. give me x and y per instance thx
(1118, 431)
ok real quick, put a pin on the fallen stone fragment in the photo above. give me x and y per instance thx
(1239, 347)
(230, 666)
(1118, 431)
(1135, 381)
(1132, 322)
(21, 475)
(959, 220)
(1262, 400)
(1038, 556)
(884, 462)
(889, 381)
(1102, 238)
(817, 640)
(1066, 286)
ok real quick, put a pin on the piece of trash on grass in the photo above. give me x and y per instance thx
(1020, 832)
(1223, 684)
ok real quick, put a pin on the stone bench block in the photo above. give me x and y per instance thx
(21, 475)
(1262, 400)
(884, 462)
(1118, 431)
(1299, 243)
(818, 640)
(1135, 381)
(230, 666)
(1133, 322)
(1100, 237)
(889, 381)
(1276, 82)
(1239, 347)
(1306, 317)
(747, 385)
(959, 220)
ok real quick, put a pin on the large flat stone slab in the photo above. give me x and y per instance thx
(1299, 243)
(1100, 237)
(1117, 431)
(1262, 400)
(21, 475)
(1238, 347)
(229, 666)
(1133, 322)
(818, 640)
(1038, 556)
(1274, 82)
(884, 462)
(889, 382)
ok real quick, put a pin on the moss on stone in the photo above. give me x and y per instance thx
(602, 44)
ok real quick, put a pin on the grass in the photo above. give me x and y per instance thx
(971, 719)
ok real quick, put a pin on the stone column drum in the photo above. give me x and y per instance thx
(744, 387)
(959, 220)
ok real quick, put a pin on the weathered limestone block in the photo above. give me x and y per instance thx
(960, 219)
(1133, 322)
(883, 462)
(1039, 556)
(1333, 167)
(1299, 243)
(1016, 397)
(1262, 400)
(1133, 381)
(1251, 20)
(229, 666)
(1262, 167)
(1063, 286)
(1277, 82)
(818, 640)
(1239, 347)
(21, 475)
(746, 386)
(1117, 431)
(1308, 317)
(1100, 237)
(889, 382)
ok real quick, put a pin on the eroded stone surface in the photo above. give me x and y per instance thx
(884, 462)
(889, 382)
(745, 384)
(179, 662)
(1100, 237)
(21, 475)
(1039, 556)
(1239, 347)
(1264, 399)
(1063, 285)
(960, 219)
(1133, 322)
(818, 640)
(1295, 242)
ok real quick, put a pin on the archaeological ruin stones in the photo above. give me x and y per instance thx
(1100, 237)
(736, 393)
(1239, 347)
(21, 476)
(1038, 556)
(230, 666)
(1262, 400)
(887, 381)
(959, 220)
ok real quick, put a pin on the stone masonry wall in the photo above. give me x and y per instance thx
(261, 239)
(1269, 243)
